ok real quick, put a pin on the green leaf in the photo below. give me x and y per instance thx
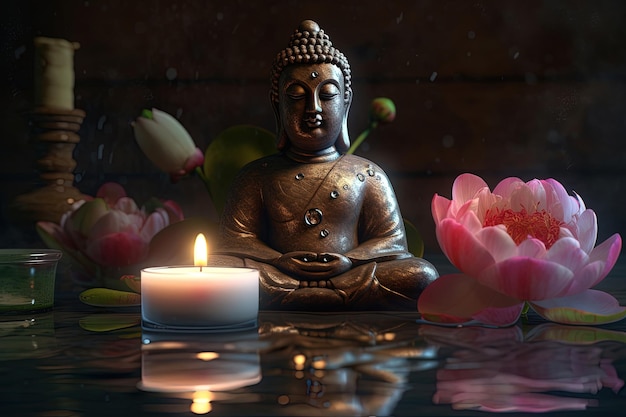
(109, 322)
(106, 297)
(228, 153)
(414, 239)
(147, 114)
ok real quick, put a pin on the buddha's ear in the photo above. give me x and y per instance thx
(343, 141)
(281, 137)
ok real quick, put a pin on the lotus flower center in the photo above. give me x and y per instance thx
(521, 225)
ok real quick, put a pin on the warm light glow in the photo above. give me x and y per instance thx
(207, 356)
(299, 361)
(200, 251)
(201, 402)
(319, 364)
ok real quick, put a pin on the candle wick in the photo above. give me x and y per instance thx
(200, 268)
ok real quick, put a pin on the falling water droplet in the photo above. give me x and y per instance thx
(101, 122)
(171, 74)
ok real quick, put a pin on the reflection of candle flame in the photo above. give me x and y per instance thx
(200, 251)
(207, 356)
(201, 402)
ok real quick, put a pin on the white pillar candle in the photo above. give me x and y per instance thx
(199, 297)
(189, 297)
(54, 73)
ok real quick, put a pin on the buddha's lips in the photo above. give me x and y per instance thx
(313, 122)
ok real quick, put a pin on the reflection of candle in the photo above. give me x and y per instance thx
(185, 371)
(199, 297)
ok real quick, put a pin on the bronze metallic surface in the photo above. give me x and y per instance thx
(323, 227)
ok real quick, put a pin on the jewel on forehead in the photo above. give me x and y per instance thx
(314, 74)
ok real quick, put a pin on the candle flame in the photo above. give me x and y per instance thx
(200, 251)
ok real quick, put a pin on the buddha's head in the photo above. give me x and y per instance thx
(311, 92)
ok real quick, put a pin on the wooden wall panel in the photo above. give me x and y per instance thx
(531, 89)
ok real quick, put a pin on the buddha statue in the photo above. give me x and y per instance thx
(322, 227)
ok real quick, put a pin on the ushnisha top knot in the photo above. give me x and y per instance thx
(309, 44)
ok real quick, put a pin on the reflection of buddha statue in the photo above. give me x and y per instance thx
(324, 229)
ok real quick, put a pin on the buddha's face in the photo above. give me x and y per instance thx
(312, 106)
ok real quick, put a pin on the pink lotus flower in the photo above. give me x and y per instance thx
(109, 230)
(523, 242)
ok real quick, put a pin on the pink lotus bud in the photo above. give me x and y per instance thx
(382, 110)
(166, 143)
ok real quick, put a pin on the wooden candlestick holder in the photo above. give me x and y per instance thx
(55, 134)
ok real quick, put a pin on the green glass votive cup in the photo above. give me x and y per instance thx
(27, 278)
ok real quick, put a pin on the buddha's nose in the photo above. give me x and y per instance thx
(314, 104)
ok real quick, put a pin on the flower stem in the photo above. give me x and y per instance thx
(361, 138)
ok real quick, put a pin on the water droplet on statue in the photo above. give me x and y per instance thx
(299, 176)
(313, 216)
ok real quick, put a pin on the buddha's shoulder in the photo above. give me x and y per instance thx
(360, 163)
(263, 165)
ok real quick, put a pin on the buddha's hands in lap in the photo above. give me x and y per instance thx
(313, 265)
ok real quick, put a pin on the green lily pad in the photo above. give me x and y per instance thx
(109, 322)
(228, 153)
(106, 297)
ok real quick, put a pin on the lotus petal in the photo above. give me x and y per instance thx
(463, 248)
(110, 192)
(587, 230)
(117, 249)
(590, 308)
(459, 299)
(528, 278)
(466, 186)
(439, 207)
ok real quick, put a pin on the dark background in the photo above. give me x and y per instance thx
(533, 89)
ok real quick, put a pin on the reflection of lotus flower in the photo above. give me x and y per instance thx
(166, 143)
(496, 370)
(109, 230)
(522, 242)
